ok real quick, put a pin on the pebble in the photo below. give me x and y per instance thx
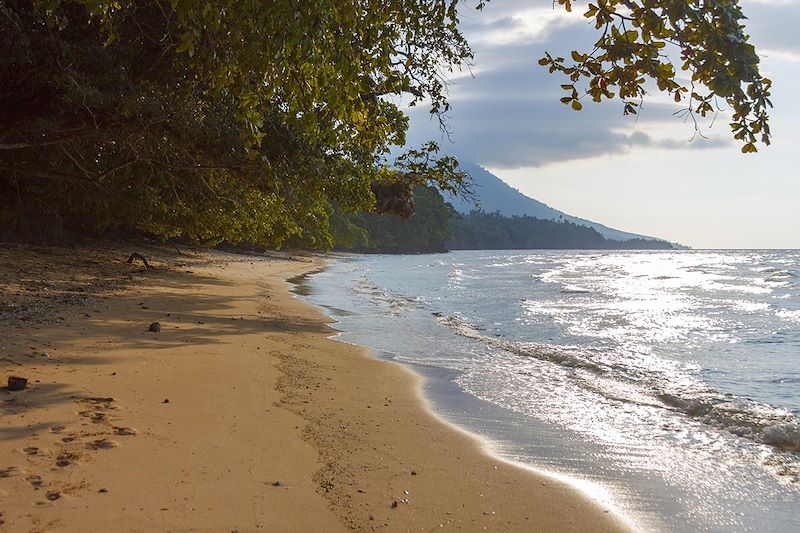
(155, 327)
(17, 383)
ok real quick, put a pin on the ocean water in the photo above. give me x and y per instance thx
(666, 384)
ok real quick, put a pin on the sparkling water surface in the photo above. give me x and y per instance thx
(671, 380)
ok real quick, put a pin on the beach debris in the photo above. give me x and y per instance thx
(102, 491)
(141, 258)
(413, 472)
(124, 431)
(277, 484)
(394, 504)
(166, 400)
(155, 327)
(53, 495)
(31, 450)
(35, 480)
(17, 383)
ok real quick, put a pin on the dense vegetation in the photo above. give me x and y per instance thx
(437, 227)
(251, 121)
(425, 232)
(492, 231)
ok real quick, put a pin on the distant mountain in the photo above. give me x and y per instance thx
(496, 195)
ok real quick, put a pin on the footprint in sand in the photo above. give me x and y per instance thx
(66, 458)
(35, 480)
(103, 444)
(95, 416)
(11, 471)
(99, 404)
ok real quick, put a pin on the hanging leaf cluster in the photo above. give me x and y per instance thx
(695, 50)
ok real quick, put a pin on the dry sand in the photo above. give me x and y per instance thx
(239, 415)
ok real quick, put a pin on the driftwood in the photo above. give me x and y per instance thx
(141, 258)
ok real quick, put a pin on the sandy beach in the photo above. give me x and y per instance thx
(239, 415)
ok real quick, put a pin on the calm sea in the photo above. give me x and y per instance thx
(666, 384)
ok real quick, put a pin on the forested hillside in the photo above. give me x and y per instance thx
(437, 227)
(483, 231)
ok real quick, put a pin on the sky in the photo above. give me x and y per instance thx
(642, 174)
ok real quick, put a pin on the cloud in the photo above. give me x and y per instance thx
(509, 116)
(773, 25)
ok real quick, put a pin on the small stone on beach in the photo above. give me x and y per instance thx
(155, 327)
(17, 383)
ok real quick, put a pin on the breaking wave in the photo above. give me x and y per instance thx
(757, 422)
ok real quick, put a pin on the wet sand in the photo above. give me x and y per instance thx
(240, 414)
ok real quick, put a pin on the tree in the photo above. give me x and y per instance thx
(245, 121)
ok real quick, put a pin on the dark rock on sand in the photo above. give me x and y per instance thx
(17, 383)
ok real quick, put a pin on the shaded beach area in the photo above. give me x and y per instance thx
(240, 414)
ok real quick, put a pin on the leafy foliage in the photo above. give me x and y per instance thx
(238, 121)
(714, 50)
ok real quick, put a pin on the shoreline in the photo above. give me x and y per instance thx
(242, 415)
